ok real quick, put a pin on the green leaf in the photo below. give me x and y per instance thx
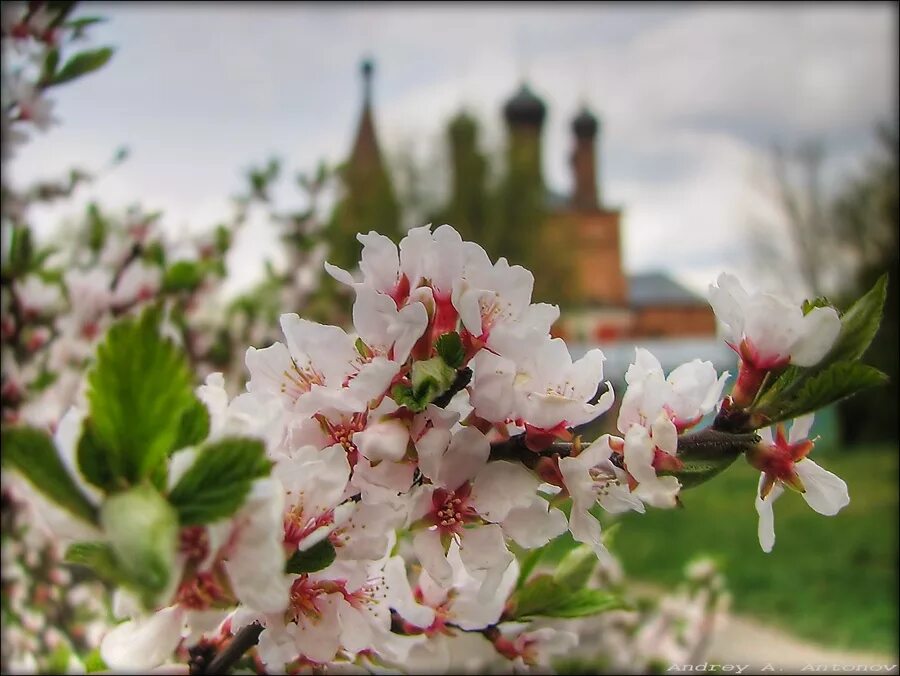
(533, 598)
(403, 395)
(194, 425)
(811, 304)
(574, 571)
(93, 662)
(100, 466)
(860, 324)
(431, 378)
(58, 661)
(528, 563)
(98, 557)
(32, 452)
(143, 531)
(218, 481)
(97, 228)
(138, 389)
(583, 603)
(84, 22)
(48, 69)
(835, 383)
(82, 64)
(544, 596)
(319, 556)
(450, 348)
(182, 276)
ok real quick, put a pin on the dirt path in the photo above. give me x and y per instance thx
(743, 641)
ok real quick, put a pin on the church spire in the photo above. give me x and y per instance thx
(366, 155)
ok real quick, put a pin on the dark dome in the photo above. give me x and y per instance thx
(584, 124)
(525, 108)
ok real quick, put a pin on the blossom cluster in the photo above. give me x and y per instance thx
(400, 428)
(407, 468)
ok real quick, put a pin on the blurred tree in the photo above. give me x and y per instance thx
(868, 221)
(841, 242)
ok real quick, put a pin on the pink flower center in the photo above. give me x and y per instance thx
(451, 509)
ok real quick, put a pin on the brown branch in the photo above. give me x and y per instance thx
(245, 639)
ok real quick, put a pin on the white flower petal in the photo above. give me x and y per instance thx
(144, 643)
(825, 492)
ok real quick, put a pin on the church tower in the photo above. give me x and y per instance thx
(368, 201)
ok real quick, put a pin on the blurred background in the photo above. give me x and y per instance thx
(626, 154)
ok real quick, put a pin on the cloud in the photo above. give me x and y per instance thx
(690, 98)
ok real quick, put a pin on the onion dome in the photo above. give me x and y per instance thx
(585, 124)
(525, 108)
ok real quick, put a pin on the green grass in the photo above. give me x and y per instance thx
(832, 580)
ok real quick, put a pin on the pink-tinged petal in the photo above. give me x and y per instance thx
(430, 552)
(825, 492)
(728, 300)
(766, 529)
(645, 364)
(466, 455)
(535, 524)
(356, 632)
(144, 643)
(385, 440)
(639, 454)
(772, 327)
(820, 328)
(277, 645)
(412, 320)
(801, 427)
(400, 596)
(319, 638)
(414, 250)
(483, 550)
(255, 556)
(380, 261)
(660, 493)
(585, 527)
(665, 435)
(339, 274)
(500, 487)
(326, 349)
(269, 368)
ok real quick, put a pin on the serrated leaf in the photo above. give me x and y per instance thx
(218, 481)
(812, 303)
(138, 390)
(584, 603)
(98, 557)
(430, 378)
(545, 597)
(82, 64)
(835, 383)
(403, 395)
(536, 596)
(576, 568)
(194, 426)
(860, 324)
(450, 348)
(99, 465)
(318, 557)
(32, 452)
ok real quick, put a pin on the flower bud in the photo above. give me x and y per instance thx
(142, 528)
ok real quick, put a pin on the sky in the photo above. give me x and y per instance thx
(690, 96)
